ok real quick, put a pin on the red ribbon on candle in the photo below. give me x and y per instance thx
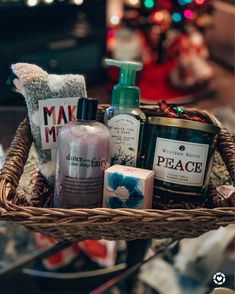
(172, 113)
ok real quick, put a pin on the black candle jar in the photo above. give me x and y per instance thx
(181, 154)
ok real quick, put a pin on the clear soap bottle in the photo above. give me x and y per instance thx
(83, 153)
(124, 118)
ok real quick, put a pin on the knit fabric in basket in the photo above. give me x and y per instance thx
(36, 84)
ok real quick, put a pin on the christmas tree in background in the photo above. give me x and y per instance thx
(164, 15)
(167, 34)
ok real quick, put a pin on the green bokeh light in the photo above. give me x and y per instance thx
(149, 3)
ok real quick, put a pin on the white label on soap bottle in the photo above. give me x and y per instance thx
(124, 130)
(180, 162)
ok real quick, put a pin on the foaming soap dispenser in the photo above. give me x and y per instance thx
(83, 153)
(124, 118)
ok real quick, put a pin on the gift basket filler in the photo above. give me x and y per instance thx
(114, 172)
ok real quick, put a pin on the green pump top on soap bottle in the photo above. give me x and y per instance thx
(124, 118)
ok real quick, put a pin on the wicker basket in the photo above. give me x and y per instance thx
(104, 223)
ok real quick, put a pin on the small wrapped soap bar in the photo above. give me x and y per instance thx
(128, 187)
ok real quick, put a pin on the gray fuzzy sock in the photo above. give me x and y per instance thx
(36, 84)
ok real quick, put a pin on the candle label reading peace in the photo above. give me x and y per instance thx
(124, 130)
(180, 162)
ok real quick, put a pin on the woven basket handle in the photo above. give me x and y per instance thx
(17, 154)
(225, 142)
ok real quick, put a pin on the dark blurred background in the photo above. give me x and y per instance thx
(60, 36)
(187, 49)
(72, 36)
(186, 46)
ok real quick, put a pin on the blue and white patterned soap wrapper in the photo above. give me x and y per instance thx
(128, 187)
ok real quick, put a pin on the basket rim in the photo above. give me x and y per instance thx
(130, 212)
